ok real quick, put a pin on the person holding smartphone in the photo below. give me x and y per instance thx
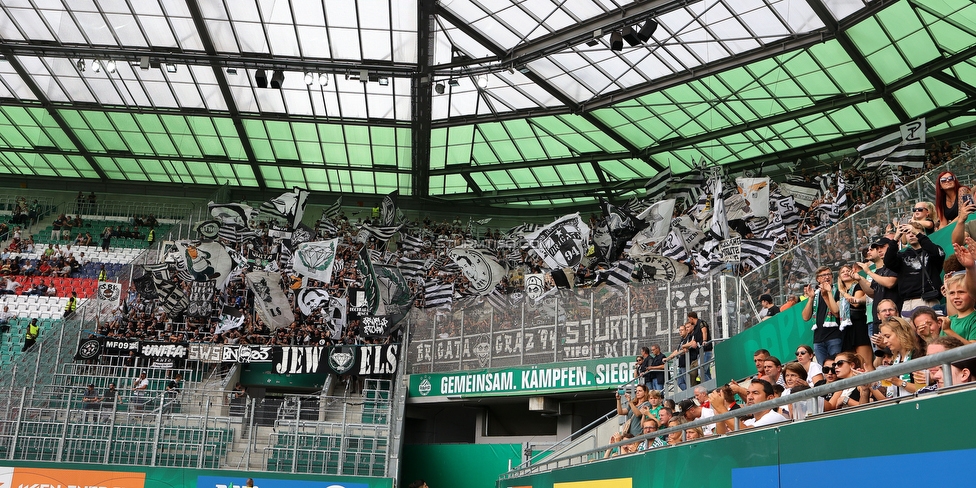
(948, 192)
(918, 266)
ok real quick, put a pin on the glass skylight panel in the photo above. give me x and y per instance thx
(63, 26)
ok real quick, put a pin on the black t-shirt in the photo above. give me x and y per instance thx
(882, 293)
(772, 311)
(659, 373)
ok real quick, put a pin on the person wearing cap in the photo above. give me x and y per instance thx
(768, 309)
(691, 411)
(878, 284)
(822, 306)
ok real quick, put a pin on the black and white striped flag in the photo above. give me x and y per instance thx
(756, 252)
(498, 300)
(328, 228)
(840, 204)
(674, 246)
(618, 276)
(687, 188)
(437, 294)
(904, 147)
(523, 229)
(413, 269)
(382, 233)
(332, 211)
(775, 230)
(656, 186)
(786, 209)
(235, 233)
(288, 208)
(412, 243)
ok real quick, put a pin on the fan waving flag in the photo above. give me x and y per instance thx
(905, 147)
(316, 259)
(481, 270)
(561, 244)
(288, 208)
(333, 211)
(657, 184)
(364, 268)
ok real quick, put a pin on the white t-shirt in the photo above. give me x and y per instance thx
(812, 371)
(770, 418)
(706, 413)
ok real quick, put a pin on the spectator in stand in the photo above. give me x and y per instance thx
(878, 284)
(5, 317)
(846, 365)
(632, 408)
(689, 345)
(927, 323)
(923, 213)
(964, 226)
(919, 268)
(793, 374)
(759, 391)
(963, 371)
(900, 338)
(933, 376)
(773, 371)
(948, 192)
(691, 411)
(10, 286)
(805, 356)
(767, 309)
(650, 426)
(655, 368)
(962, 326)
(106, 238)
(91, 401)
(704, 335)
(822, 305)
(853, 313)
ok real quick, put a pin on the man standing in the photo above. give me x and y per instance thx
(655, 368)
(823, 305)
(767, 309)
(5, 317)
(30, 337)
(689, 344)
(705, 341)
(139, 388)
(90, 401)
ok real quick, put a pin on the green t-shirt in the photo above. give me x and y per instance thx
(965, 327)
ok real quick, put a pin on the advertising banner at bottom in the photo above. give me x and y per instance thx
(238, 482)
(31, 477)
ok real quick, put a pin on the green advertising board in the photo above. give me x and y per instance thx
(589, 375)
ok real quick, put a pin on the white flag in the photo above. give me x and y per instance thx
(316, 259)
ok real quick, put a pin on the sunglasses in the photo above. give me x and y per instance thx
(801, 353)
(828, 369)
(840, 362)
(947, 178)
(919, 209)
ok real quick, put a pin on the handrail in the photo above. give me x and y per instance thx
(922, 363)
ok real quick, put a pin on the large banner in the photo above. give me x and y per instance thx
(562, 243)
(595, 374)
(200, 299)
(546, 339)
(270, 301)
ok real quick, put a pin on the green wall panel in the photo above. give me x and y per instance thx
(458, 465)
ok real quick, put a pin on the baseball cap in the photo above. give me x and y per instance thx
(766, 297)
(685, 405)
(878, 243)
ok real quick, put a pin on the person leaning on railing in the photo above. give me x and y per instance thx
(759, 391)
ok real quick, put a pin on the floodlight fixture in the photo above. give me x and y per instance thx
(232, 71)
(110, 66)
(261, 78)
(439, 88)
(323, 79)
(647, 30)
(453, 82)
(383, 81)
(616, 41)
(170, 68)
(80, 65)
(309, 78)
(630, 35)
(277, 78)
(483, 82)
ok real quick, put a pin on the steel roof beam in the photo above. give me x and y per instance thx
(53, 112)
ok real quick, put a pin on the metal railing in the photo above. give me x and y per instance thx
(923, 363)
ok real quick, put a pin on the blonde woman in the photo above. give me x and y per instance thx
(900, 337)
(924, 214)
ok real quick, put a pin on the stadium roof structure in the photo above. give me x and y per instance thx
(509, 103)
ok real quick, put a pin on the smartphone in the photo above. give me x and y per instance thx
(967, 199)
(621, 391)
